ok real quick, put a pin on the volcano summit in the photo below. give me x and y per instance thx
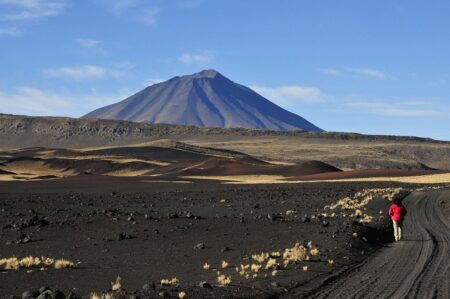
(204, 99)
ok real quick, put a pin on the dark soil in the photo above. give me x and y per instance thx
(147, 231)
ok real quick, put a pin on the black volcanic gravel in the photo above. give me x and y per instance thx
(144, 232)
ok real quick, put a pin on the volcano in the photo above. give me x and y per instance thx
(204, 99)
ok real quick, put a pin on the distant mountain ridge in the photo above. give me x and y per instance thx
(204, 99)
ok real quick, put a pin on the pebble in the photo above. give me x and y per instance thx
(200, 246)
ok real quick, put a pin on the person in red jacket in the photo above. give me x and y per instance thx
(397, 212)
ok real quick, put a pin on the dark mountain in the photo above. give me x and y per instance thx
(205, 99)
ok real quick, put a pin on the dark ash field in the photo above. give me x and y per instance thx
(148, 231)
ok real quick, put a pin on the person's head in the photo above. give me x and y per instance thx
(398, 198)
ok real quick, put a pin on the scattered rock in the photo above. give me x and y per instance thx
(47, 295)
(30, 294)
(73, 296)
(124, 236)
(148, 287)
(275, 217)
(205, 285)
(163, 294)
(43, 289)
(325, 223)
(200, 246)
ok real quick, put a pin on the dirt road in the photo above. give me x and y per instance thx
(417, 267)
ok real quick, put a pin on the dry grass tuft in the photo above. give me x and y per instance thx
(314, 251)
(170, 282)
(270, 263)
(206, 266)
(62, 263)
(117, 285)
(224, 264)
(356, 205)
(260, 258)
(255, 267)
(182, 295)
(11, 263)
(223, 280)
(14, 263)
(297, 253)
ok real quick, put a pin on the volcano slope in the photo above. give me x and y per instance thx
(417, 267)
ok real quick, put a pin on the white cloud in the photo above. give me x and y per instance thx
(142, 11)
(83, 72)
(18, 10)
(332, 72)
(394, 109)
(291, 95)
(197, 58)
(88, 43)
(439, 83)
(152, 81)
(367, 72)
(29, 100)
(33, 101)
(119, 6)
(361, 72)
(149, 16)
(10, 31)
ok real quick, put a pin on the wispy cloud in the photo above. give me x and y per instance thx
(395, 109)
(139, 10)
(83, 72)
(33, 101)
(10, 31)
(439, 83)
(291, 95)
(120, 6)
(152, 81)
(359, 72)
(377, 74)
(332, 72)
(29, 100)
(149, 16)
(19, 10)
(88, 43)
(200, 58)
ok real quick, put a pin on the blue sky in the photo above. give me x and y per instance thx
(374, 66)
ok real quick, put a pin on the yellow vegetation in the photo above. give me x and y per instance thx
(117, 285)
(255, 267)
(297, 253)
(270, 263)
(223, 280)
(182, 295)
(62, 263)
(260, 258)
(30, 261)
(170, 282)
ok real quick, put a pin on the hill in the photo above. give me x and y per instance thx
(343, 150)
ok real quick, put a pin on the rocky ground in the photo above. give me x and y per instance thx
(148, 231)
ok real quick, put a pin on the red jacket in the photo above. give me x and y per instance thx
(397, 212)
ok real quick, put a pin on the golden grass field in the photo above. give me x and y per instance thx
(274, 179)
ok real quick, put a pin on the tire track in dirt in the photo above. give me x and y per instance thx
(417, 267)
